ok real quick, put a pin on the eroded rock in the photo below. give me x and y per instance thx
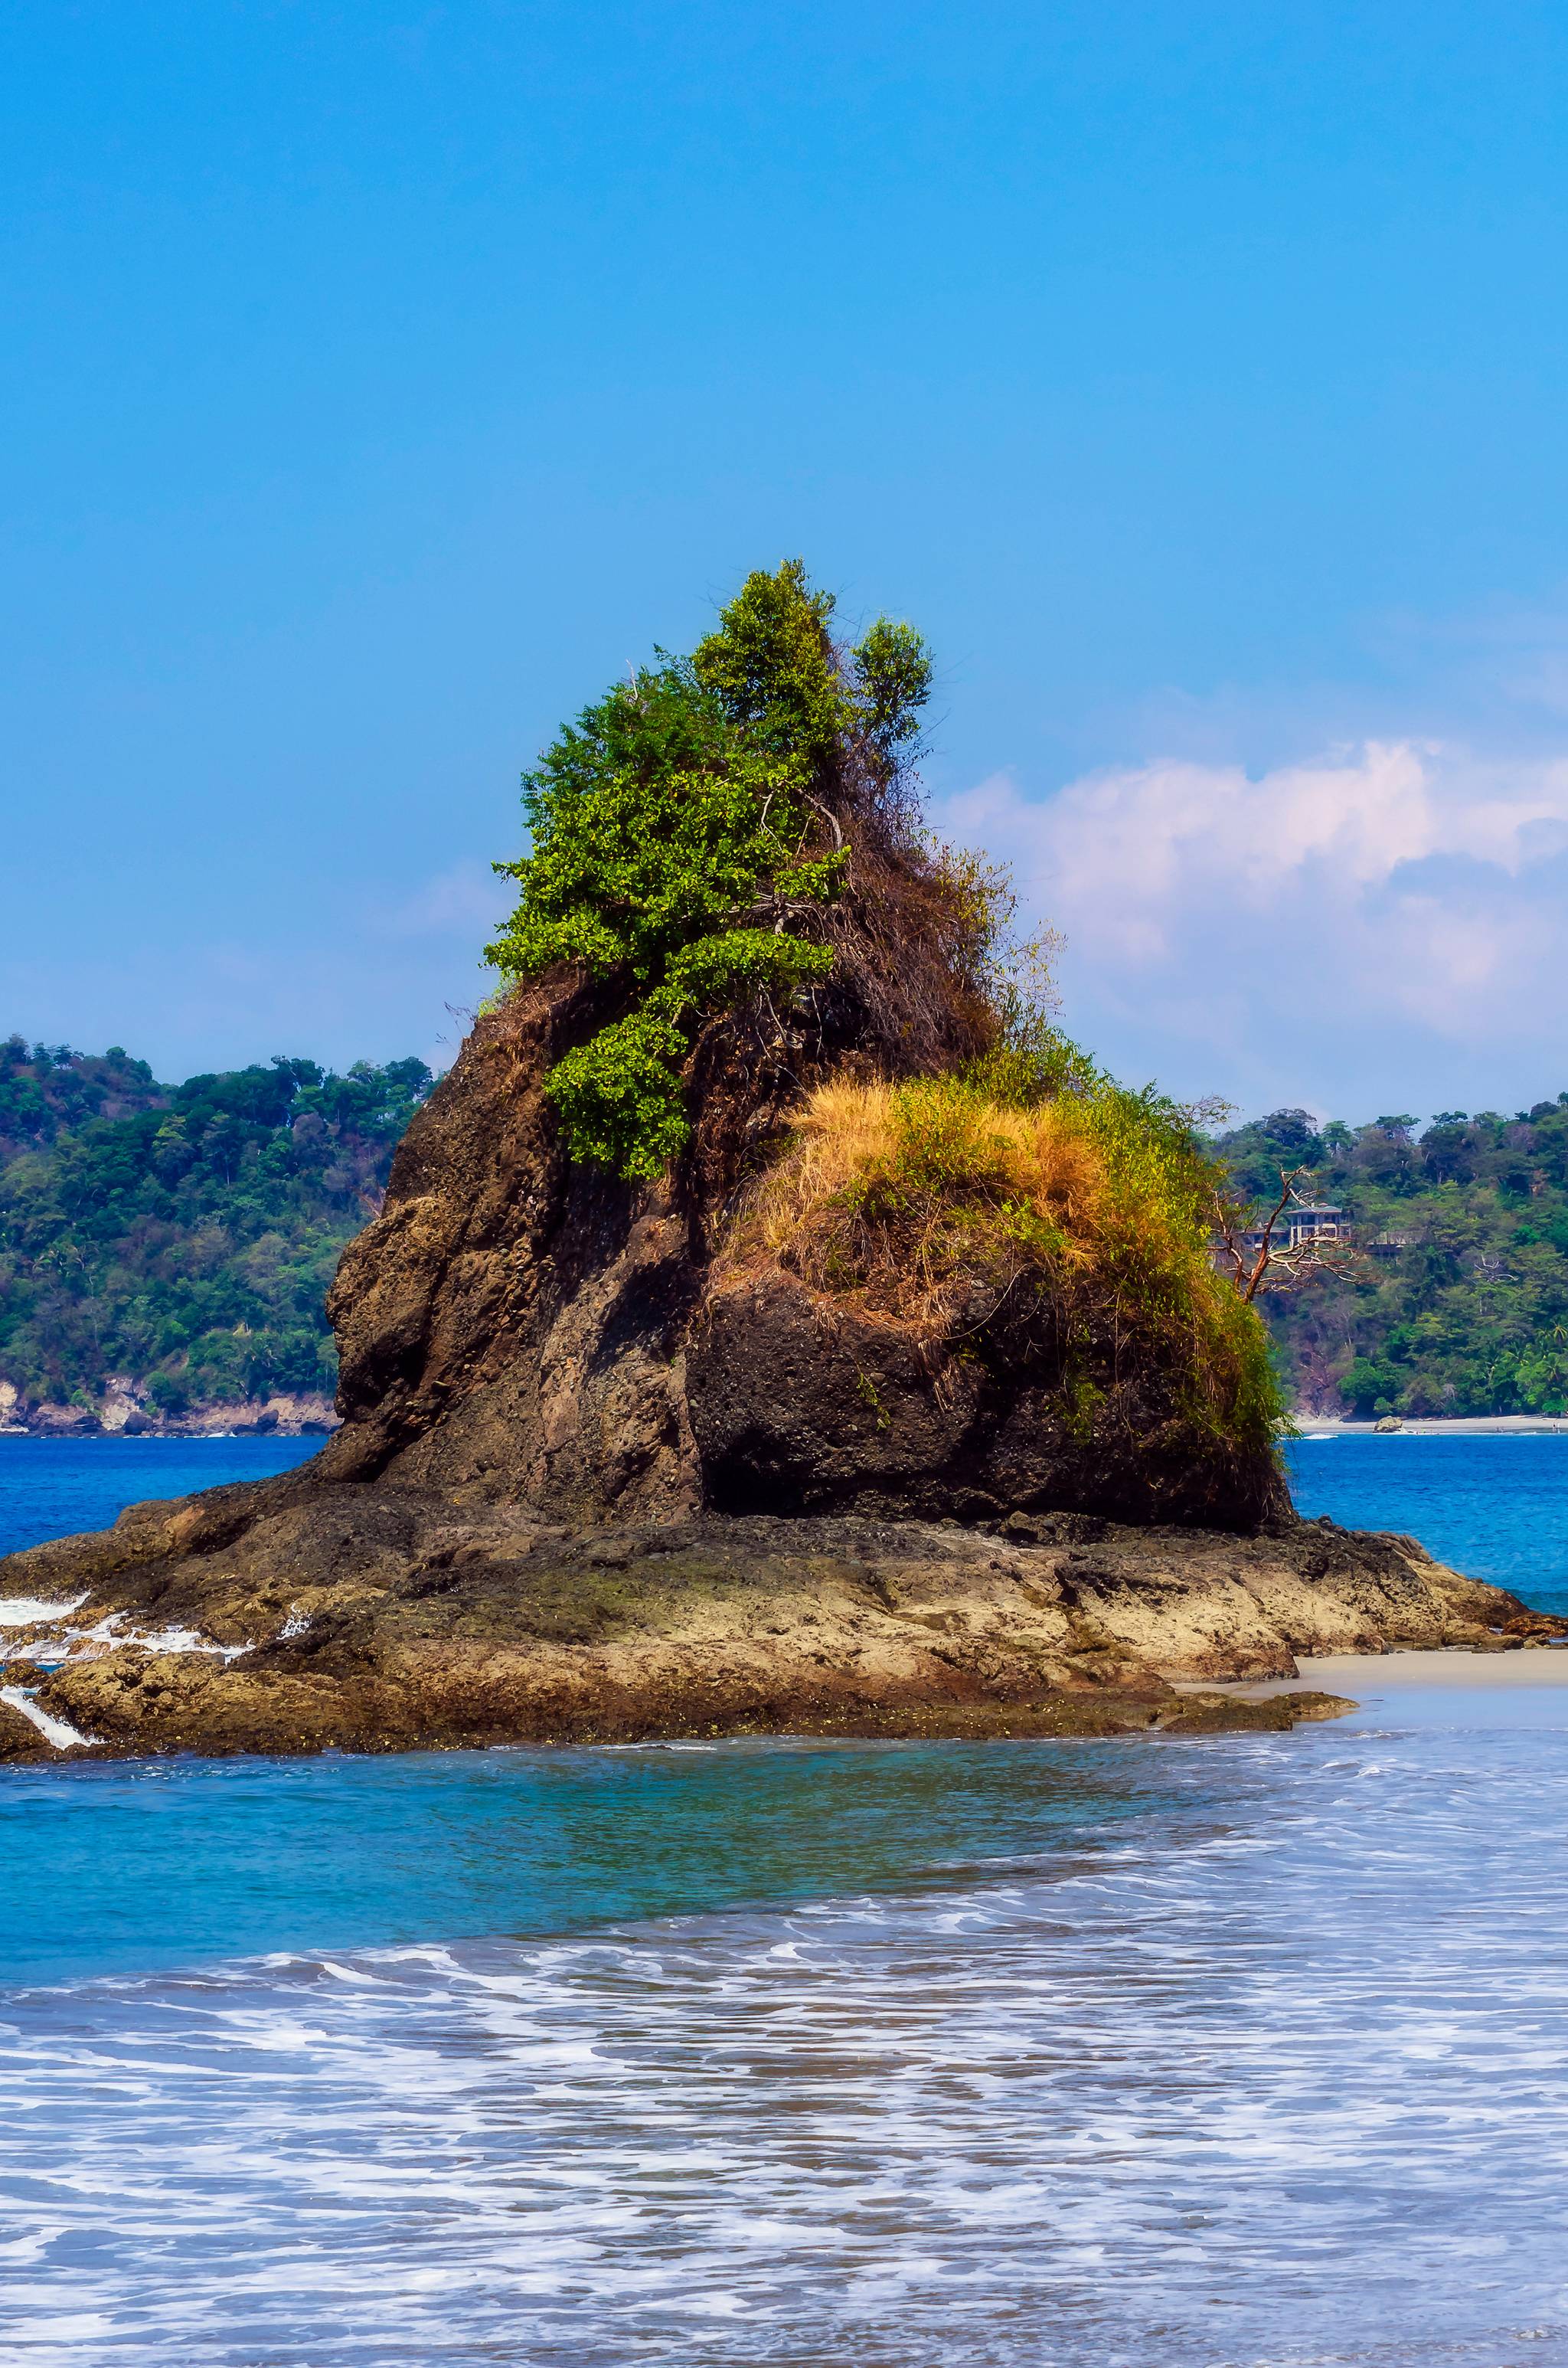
(434, 1624)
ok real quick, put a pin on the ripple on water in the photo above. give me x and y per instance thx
(1274, 2075)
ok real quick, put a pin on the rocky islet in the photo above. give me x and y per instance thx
(596, 1478)
(527, 1528)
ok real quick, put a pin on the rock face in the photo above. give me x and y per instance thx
(286, 1414)
(799, 1405)
(513, 1329)
(508, 1327)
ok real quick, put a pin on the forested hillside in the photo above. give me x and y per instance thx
(1458, 1301)
(179, 1238)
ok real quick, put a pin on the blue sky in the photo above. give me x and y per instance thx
(379, 382)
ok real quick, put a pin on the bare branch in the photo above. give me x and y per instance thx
(830, 818)
(1260, 1265)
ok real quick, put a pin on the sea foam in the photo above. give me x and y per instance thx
(1275, 2071)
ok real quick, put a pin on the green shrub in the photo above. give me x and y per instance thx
(168, 1394)
(682, 847)
(618, 1095)
(1370, 1386)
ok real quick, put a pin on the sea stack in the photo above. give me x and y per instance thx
(773, 1323)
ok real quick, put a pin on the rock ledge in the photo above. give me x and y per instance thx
(294, 1616)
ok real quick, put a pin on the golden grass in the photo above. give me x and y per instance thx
(850, 1140)
(1086, 1216)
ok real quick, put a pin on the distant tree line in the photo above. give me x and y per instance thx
(1458, 1301)
(182, 1236)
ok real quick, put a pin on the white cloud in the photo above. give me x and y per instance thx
(1392, 909)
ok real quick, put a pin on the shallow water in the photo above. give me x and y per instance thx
(132, 1864)
(1255, 2051)
(1242, 2053)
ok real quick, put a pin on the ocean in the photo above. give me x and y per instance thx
(1246, 2052)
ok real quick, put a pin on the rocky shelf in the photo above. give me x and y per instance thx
(295, 1615)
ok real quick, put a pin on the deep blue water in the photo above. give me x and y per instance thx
(1496, 1508)
(53, 1487)
(1246, 2052)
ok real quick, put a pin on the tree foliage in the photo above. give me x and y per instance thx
(683, 847)
(182, 1236)
(1461, 1303)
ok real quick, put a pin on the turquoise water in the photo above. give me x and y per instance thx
(134, 1864)
(1249, 2053)
(1246, 2052)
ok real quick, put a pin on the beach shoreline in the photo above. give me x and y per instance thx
(1437, 1426)
(1451, 1670)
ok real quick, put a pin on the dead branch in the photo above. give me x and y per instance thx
(1265, 1265)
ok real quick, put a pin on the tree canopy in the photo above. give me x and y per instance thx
(684, 840)
(182, 1236)
(1460, 1304)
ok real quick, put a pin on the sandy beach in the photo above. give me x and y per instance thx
(1478, 1426)
(1361, 1675)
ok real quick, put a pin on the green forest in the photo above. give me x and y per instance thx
(1456, 1301)
(182, 1237)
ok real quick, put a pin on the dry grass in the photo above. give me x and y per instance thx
(1083, 1219)
(877, 1161)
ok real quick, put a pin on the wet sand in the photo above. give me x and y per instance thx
(1361, 1674)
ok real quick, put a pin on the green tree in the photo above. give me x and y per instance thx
(182, 1236)
(684, 839)
(1461, 1303)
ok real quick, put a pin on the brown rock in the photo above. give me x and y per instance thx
(380, 1619)
(797, 1405)
(19, 1739)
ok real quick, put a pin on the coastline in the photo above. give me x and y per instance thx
(296, 1615)
(1403, 1669)
(1437, 1426)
